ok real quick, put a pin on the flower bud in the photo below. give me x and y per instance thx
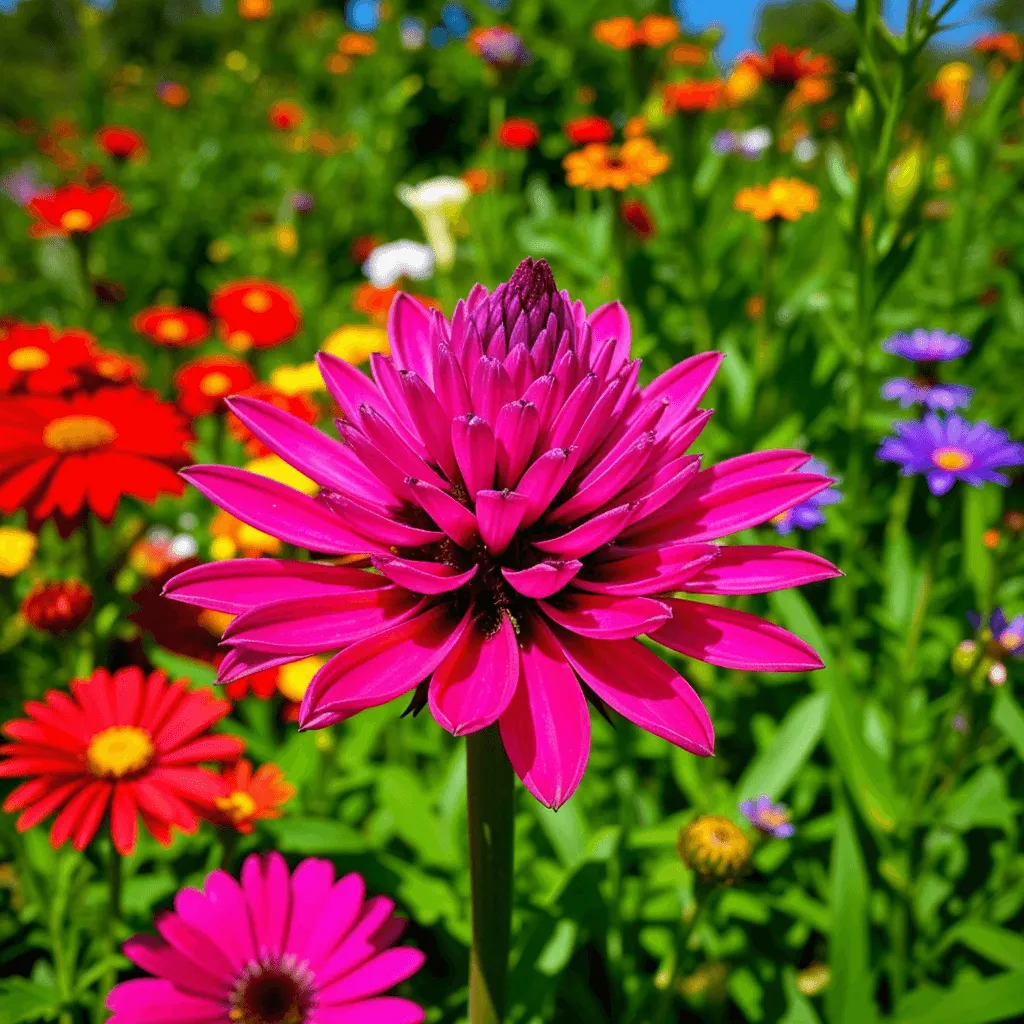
(58, 606)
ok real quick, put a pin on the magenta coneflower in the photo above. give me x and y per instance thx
(279, 948)
(527, 508)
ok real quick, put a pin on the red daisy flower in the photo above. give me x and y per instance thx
(783, 66)
(255, 314)
(74, 209)
(518, 133)
(121, 747)
(284, 115)
(58, 606)
(172, 326)
(204, 383)
(581, 131)
(120, 142)
(295, 405)
(62, 457)
(692, 97)
(42, 360)
(115, 368)
(262, 685)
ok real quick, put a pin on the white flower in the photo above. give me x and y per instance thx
(404, 258)
(755, 141)
(805, 150)
(438, 205)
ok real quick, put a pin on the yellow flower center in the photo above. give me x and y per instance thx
(76, 220)
(172, 329)
(256, 301)
(119, 751)
(78, 433)
(293, 680)
(239, 341)
(213, 385)
(773, 818)
(1010, 641)
(28, 358)
(214, 622)
(238, 806)
(952, 459)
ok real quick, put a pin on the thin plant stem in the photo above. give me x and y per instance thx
(115, 882)
(490, 805)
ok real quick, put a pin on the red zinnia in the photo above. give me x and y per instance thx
(124, 746)
(581, 131)
(294, 405)
(73, 209)
(284, 115)
(61, 457)
(251, 796)
(255, 314)
(637, 218)
(120, 142)
(692, 97)
(43, 360)
(518, 133)
(783, 66)
(172, 326)
(204, 383)
(58, 606)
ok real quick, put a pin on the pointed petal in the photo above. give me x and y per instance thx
(651, 572)
(759, 569)
(409, 334)
(450, 515)
(606, 617)
(499, 514)
(591, 535)
(544, 578)
(612, 321)
(475, 452)
(424, 577)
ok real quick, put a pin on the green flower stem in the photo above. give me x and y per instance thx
(115, 880)
(491, 832)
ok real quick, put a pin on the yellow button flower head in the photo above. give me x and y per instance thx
(438, 204)
(293, 679)
(303, 379)
(715, 847)
(598, 166)
(273, 467)
(355, 343)
(17, 549)
(781, 199)
(232, 537)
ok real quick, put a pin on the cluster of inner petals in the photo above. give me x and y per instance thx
(274, 990)
(119, 751)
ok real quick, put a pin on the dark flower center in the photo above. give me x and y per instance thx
(278, 992)
(532, 281)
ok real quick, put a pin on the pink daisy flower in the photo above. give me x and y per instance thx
(278, 948)
(527, 509)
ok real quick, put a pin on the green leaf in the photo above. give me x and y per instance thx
(24, 1000)
(794, 741)
(976, 1001)
(978, 515)
(799, 1009)
(400, 793)
(179, 667)
(565, 829)
(998, 945)
(980, 802)
(1008, 718)
(849, 995)
(314, 837)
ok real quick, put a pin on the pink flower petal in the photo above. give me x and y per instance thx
(409, 334)
(544, 578)
(242, 583)
(387, 440)
(311, 887)
(472, 687)
(275, 509)
(687, 382)
(381, 530)
(454, 518)
(516, 434)
(430, 420)
(759, 569)
(606, 617)
(733, 639)
(424, 577)
(570, 419)
(543, 480)
(491, 389)
(155, 1001)
(335, 918)
(751, 466)
(546, 728)
(377, 975)
(240, 662)
(191, 976)
(475, 452)
(385, 1010)
(602, 487)
(588, 537)
(651, 572)
(382, 667)
(499, 514)
(612, 321)
(637, 684)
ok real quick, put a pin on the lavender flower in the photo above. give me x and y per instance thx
(1001, 637)
(924, 389)
(922, 346)
(22, 185)
(502, 48)
(771, 819)
(951, 449)
(303, 202)
(808, 515)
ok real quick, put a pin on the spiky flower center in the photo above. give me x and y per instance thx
(119, 751)
(78, 433)
(31, 357)
(274, 990)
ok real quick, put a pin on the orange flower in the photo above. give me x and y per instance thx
(811, 90)
(173, 94)
(619, 33)
(950, 88)
(688, 55)
(692, 97)
(781, 199)
(356, 44)
(1002, 44)
(73, 209)
(251, 796)
(783, 66)
(581, 131)
(284, 115)
(376, 302)
(478, 179)
(255, 314)
(597, 166)
(635, 127)
(255, 10)
(658, 30)
(337, 64)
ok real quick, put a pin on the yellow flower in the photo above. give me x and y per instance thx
(781, 199)
(293, 679)
(231, 536)
(273, 467)
(598, 166)
(950, 89)
(742, 84)
(355, 343)
(303, 379)
(286, 238)
(715, 847)
(17, 549)
(814, 979)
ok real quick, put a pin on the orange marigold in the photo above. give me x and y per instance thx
(597, 166)
(658, 30)
(619, 33)
(356, 44)
(1000, 44)
(692, 97)
(251, 796)
(783, 66)
(780, 199)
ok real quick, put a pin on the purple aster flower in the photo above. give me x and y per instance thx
(925, 390)
(771, 819)
(951, 449)
(724, 142)
(303, 202)
(501, 47)
(22, 185)
(1002, 637)
(922, 346)
(808, 515)
(960, 722)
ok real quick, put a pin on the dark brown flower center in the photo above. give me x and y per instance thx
(273, 992)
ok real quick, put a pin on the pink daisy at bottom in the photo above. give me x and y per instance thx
(276, 948)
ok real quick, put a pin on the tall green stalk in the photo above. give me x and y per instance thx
(491, 823)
